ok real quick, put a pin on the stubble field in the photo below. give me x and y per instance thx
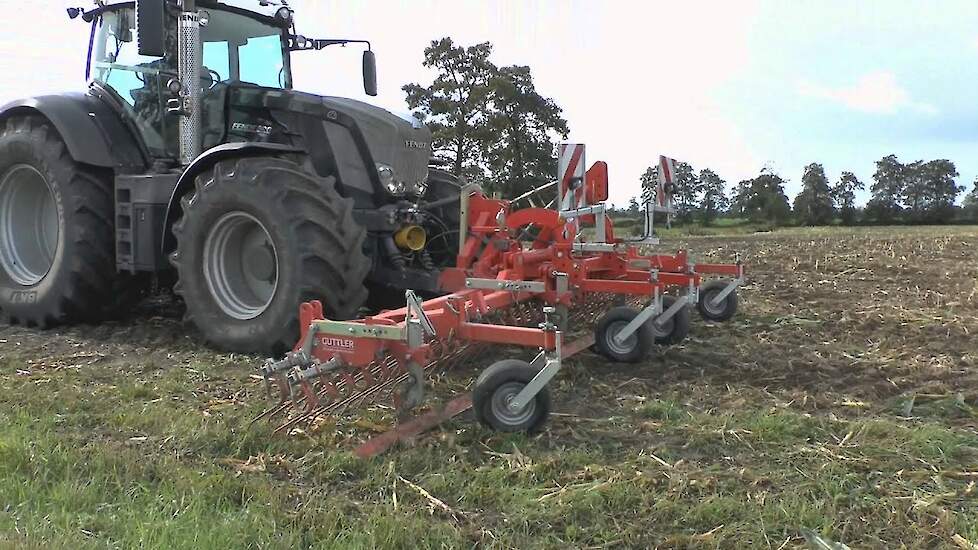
(841, 402)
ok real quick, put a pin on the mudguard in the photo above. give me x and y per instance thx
(92, 131)
(205, 161)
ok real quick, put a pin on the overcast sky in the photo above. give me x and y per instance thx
(732, 86)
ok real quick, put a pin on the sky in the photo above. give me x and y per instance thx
(731, 86)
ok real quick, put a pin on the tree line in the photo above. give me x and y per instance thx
(919, 192)
(491, 126)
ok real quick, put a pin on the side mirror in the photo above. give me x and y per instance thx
(596, 183)
(369, 73)
(151, 27)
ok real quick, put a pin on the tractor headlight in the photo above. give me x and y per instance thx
(386, 174)
(398, 187)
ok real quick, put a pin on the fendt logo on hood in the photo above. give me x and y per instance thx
(411, 144)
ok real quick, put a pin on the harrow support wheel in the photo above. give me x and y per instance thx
(674, 330)
(497, 386)
(632, 349)
(723, 311)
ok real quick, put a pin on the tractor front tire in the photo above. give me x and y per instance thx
(258, 236)
(57, 239)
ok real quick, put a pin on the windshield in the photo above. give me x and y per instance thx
(241, 49)
(236, 48)
(135, 78)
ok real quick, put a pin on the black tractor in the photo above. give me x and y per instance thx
(192, 162)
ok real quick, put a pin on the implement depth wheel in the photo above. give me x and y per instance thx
(723, 311)
(632, 349)
(497, 386)
(675, 329)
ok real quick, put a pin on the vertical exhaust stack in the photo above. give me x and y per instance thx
(191, 54)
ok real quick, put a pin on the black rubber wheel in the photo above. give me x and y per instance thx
(635, 348)
(675, 329)
(719, 313)
(57, 238)
(259, 236)
(443, 224)
(497, 385)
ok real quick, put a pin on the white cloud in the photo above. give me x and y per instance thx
(876, 92)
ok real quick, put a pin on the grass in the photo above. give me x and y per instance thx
(140, 438)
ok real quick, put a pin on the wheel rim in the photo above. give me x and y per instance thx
(29, 227)
(706, 302)
(663, 330)
(627, 346)
(240, 265)
(500, 405)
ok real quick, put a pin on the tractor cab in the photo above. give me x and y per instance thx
(135, 58)
(238, 48)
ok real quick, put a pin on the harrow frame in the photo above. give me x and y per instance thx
(501, 263)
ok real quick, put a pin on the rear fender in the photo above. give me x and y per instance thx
(92, 131)
(203, 163)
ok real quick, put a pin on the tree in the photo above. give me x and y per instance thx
(490, 122)
(844, 196)
(633, 207)
(762, 199)
(931, 190)
(740, 204)
(887, 190)
(455, 104)
(970, 205)
(714, 201)
(523, 124)
(686, 190)
(813, 205)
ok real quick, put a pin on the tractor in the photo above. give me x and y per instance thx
(192, 163)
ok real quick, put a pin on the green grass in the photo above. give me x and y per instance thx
(137, 465)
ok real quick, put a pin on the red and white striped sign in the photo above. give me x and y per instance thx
(570, 170)
(667, 173)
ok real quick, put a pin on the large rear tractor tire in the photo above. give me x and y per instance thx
(259, 236)
(57, 239)
(443, 189)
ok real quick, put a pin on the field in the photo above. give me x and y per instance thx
(842, 402)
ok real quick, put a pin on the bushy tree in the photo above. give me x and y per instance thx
(813, 205)
(490, 122)
(524, 122)
(633, 207)
(762, 199)
(844, 196)
(930, 191)
(923, 190)
(455, 105)
(650, 182)
(714, 201)
(686, 190)
(887, 190)
(970, 205)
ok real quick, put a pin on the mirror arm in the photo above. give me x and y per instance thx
(321, 43)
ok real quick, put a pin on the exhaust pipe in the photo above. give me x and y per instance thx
(190, 60)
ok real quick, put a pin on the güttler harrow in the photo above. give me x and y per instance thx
(532, 277)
